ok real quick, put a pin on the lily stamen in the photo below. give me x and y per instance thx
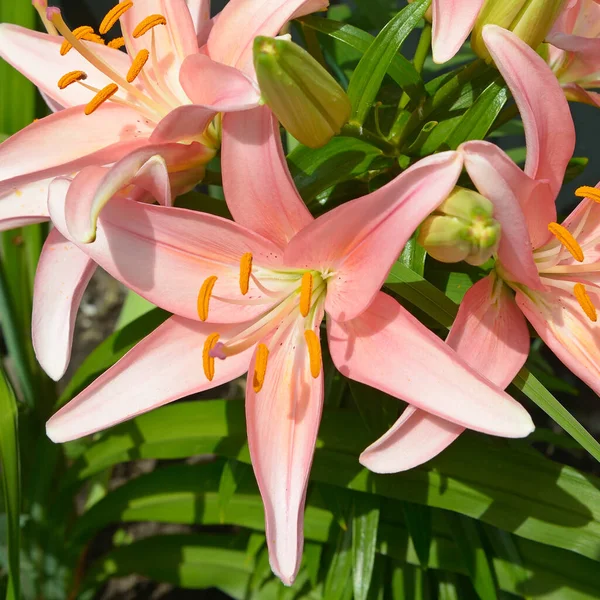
(137, 65)
(102, 96)
(586, 191)
(260, 367)
(68, 78)
(147, 24)
(585, 302)
(113, 15)
(116, 43)
(306, 293)
(245, 272)
(565, 237)
(204, 296)
(314, 352)
(208, 362)
(78, 33)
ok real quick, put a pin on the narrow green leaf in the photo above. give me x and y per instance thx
(400, 69)
(340, 568)
(368, 76)
(133, 308)
(312, 557)
(418, 521)
(227, 487)
(470, 545)
(413, 256)
(365, 524)
(11, 481)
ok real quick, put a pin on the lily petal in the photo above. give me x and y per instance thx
(62, 275)
(69, 140)
(359, 241)
(212, 84)
(566, 330)
(165, 254)
(36, 55)
(24, 205)
(258, 186)
(520, 205)
(230, 41)
(490, 334)
(576, 93)
(549, 129)
(200, 12)
(182, 124)
(387, 348)
(163, 367)
(452, 23)
(283, 420)
(584, 55)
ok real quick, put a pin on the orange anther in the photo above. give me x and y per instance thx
(137, 65)
(102, 96)
(71, 77)
(147, 24)
(113, 15)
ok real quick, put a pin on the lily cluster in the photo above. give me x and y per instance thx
(136, 120)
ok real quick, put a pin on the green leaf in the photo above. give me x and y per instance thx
(227, 486)
(11, 481)
(399, 69)
(365, 524)
(418, 521)
(575, 168)
(468, 539)
(133, 308)
(368, 76)
(413, 256)
(340, 568)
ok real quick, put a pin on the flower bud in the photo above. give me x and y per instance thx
(310, 104)
(462, 228)
(531, 20)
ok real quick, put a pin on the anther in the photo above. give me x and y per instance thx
(79, 32)
(113, 15)
(564, 236)
(102, 96)
(314, 352)
(306, 293)
(137, 65)
(93, 37)
(71, 77)
(587, 191)
(585, 302)
(208, 362)
(245, 272)
(116, 43)
(260, 367)
(147, 24)
(204, 296)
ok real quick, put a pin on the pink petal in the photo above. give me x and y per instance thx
(212, 84)
(165, 366)
(549, 129)
(183, 123)
(584, 221)
(387, 348)
(69, 140)
(576, 93)
(521, 206)
(231, 39)
(359, 241)
(490, 334)
(282, 421)
(37, 56)
(452, 23)
(566, 330)
(24, 205)
(165, 254)
(200, 12)
(62, 275)
(584, 57)
(258, 186)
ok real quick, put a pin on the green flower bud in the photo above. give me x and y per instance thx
(462, 228)
(310, 104)
(531, 20)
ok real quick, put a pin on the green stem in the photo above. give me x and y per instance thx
(363, 134)
(419, 59)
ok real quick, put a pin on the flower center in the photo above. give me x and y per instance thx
(293, 295)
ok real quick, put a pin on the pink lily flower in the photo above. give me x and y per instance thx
(540, 260)
(151, 133)
(265, 283)
(574, 51)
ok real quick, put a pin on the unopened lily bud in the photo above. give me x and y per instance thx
(310, 104)
(531, 20)
(462, 228)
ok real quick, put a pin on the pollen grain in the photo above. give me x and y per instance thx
(565, 237)
(587, 191)
(204, 296)
(113, 15)
(260, 367)
(208, 362)
(147, 24)
(102, 96)
(585, 302)
(68, 78)
(245, 272)
(314, 352)
(137, 65)
(306, 293)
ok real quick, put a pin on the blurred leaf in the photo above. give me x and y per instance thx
(418, 521)
(227, 486)
(368, 75)
(575, 168)
(340, 568)
(133, 308)
(365, 524)
(377, 409)
(312, 557)
(203, 202)
(399, 69)
(11, 481)
(468, 539)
